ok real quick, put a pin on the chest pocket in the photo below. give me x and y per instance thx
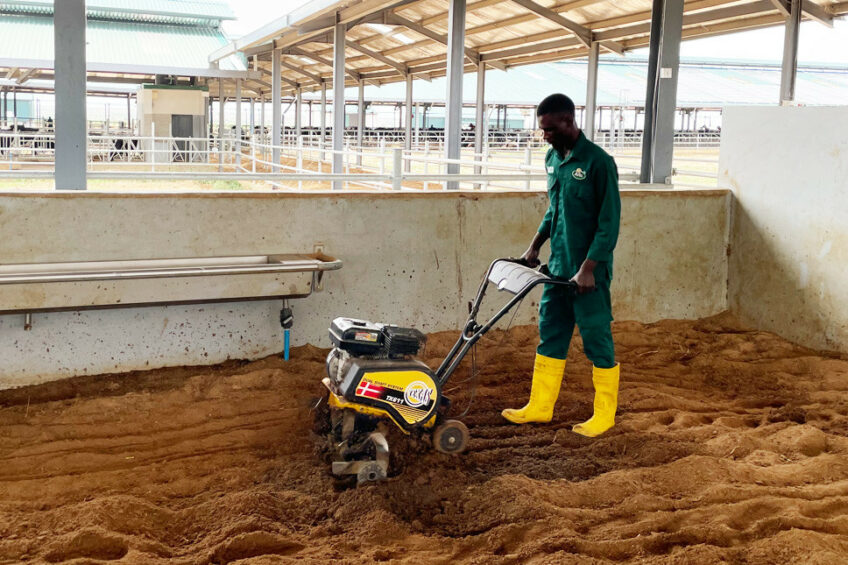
(580, 184)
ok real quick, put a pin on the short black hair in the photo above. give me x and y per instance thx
(554, 104)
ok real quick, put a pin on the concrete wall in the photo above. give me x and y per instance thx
(409, 259)
(788, 169)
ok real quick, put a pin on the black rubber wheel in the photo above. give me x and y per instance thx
(451, 437)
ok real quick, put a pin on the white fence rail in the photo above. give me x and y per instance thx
(385, 165)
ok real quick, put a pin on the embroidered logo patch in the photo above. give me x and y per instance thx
(550, 170)
(579, 174)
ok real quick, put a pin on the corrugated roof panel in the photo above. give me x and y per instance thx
(31, 37)
(160, 10)
(209, 9)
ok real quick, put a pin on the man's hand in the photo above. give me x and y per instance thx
(585, 277)
(531, 257)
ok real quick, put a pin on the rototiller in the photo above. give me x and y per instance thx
(373, 378)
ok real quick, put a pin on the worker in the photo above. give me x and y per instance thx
(582, 224)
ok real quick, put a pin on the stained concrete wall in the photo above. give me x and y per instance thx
(412, 259)
(788, 169)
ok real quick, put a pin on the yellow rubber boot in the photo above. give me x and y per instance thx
(547, 378)
(606, 403)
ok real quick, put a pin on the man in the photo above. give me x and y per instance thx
(582, 223)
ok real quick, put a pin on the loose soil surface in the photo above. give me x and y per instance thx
(729, 447)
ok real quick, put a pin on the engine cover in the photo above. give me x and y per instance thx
(405, 389)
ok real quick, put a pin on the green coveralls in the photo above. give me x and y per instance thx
(582, 221)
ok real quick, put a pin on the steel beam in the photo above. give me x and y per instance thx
(582, 33)
(319, 59)
(453, 100)
(338, 101)
(479, 113)
(252, 118)
(71, 132)
(591, 91)
(294, 84)
(782, 6)
(400, 67)
(221, 101)
(662, 146)
(238, 114)
(360, 118)
(315, 78)
(817, 13)
(323, 117)
(407, 119)
(473, 55)
(298, 114)
(276, 110)
(789, 68)
(28, 75)
(262, 119)
(650, 96)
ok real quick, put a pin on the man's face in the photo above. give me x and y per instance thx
(557, 129)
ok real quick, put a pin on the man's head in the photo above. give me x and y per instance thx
(556, 120)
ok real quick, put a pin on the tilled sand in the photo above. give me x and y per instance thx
(730, 447)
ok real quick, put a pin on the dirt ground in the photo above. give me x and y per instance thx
(730, 447)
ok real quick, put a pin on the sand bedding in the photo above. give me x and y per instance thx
(730, 447)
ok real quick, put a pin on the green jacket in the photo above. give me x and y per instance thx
(585, 209)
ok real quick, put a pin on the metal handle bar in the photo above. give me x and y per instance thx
(473, 331)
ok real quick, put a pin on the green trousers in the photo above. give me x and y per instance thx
(560, 310)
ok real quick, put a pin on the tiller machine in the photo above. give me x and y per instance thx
(373, 379)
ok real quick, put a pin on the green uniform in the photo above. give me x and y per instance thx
(582, 222)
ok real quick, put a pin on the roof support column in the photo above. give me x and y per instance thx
(129, 111)
(276, 109)
(660, 141)
(221, 99)
(479, 116)
(407, 121)
(71, 131)
(360, 121)
(221, 102)
(338, 102)
(323, 116)
(591, 91)
(252, 118)
(211, 113)
(653, 58)
(298, 114)
(238, 115)
(456, 61)
(417, 123)
(790, 53)
(262, 119)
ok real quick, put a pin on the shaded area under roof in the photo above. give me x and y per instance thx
(388, 39)
(702, 84)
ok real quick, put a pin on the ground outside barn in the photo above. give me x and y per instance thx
(730, 447)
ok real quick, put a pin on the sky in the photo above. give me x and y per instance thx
(817, 43)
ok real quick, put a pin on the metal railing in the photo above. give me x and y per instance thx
(383, 166)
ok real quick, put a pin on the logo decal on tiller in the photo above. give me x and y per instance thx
(417, 394)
